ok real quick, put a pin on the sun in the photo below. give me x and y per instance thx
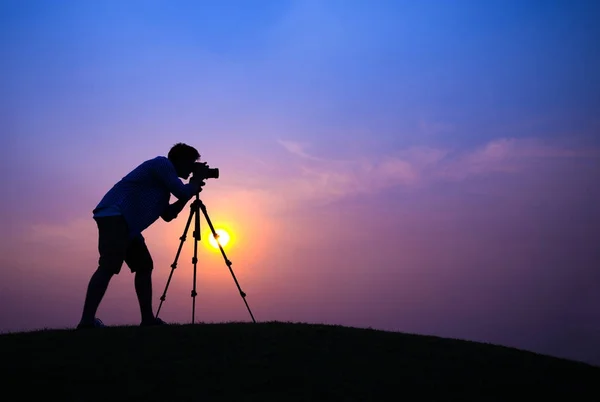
(223, 238)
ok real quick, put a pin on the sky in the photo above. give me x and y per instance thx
(426, 167)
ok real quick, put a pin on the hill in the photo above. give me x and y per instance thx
(277, 362)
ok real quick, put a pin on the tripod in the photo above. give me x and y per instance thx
(197, 204)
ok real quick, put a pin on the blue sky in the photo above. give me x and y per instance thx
(369, 66)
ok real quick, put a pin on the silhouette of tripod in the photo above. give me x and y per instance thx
(195, 208)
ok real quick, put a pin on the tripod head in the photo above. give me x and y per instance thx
(199, 182)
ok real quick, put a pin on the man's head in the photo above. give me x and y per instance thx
(183, 158)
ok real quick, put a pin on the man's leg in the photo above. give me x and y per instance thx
(143, 289)
(95, 292)
(140, 262)
(112, 246)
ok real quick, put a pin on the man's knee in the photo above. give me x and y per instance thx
(110, 264)
(140, 261)
(138, 257)
(103, 274)
(146, 266)
(112, 243)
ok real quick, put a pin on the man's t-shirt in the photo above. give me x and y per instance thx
(143, 194)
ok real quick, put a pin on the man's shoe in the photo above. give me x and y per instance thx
(97, 323)
(153, 322)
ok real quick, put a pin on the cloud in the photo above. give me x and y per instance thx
(296, 148)
(495, 156)
(324, 180)
(507, 155)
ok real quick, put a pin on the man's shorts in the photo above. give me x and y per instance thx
(116, 246)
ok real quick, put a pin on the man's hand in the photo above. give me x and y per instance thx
(173, 210)
(197, 182)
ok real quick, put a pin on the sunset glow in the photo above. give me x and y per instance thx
(223, 238)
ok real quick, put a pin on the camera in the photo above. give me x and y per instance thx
(203, 171)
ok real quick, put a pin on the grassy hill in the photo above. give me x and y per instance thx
(277, 362)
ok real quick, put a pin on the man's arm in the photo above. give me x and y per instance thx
(168, 176)
(173, 210)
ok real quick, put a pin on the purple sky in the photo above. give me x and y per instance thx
(426, 167)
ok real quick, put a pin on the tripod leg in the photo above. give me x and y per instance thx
(195, 257)
(174, 265)
(227, 262)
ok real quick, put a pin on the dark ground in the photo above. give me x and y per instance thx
(278, 362)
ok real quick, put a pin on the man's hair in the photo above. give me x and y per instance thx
(181, 151)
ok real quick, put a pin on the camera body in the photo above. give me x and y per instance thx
(202, 171)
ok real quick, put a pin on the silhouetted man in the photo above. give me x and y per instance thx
(129, 207)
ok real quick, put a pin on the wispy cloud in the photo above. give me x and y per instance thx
(507, 155)
(321, 179)
(296, 148)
